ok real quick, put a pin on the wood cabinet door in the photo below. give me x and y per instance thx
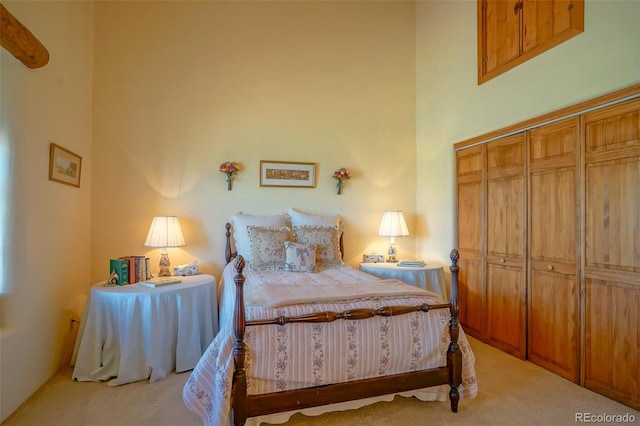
(546, 22)
(500, 33)
(505, 286)
(470, 198)
(511, 32)
(554, 213)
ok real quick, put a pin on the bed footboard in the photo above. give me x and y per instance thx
(245, 406)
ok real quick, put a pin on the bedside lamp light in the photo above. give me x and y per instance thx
(164, 232)
(393, 225)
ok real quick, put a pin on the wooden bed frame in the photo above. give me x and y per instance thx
(245, 406)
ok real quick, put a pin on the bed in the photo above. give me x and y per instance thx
(322, 336)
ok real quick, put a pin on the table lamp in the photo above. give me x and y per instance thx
(164, 232)
(392, 226)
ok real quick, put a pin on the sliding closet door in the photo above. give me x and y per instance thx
(554, 220)
(505, 288)
(470, 182)
(612, 252)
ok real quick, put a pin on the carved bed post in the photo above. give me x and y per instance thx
(239, 383)
(227, 248)
(454, 355)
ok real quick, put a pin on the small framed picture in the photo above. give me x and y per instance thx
(64, 166)
(287, 174)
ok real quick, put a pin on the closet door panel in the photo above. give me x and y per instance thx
(612, 252)
(470, 179)
(612, 361)
(471, 291)
(554, 327)
(470, 205)
(612, 214)
(553, 215)
(505, 291)
(554, 296)
(505, 309)
(505, 214)
(506, 159)
(612, 129)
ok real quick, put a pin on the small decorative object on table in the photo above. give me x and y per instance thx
(340, 176)
(186, 269)
(112, 280)
(373, 258)
(230, 168)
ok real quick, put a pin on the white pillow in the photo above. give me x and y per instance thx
(300, 218)
(240, 221)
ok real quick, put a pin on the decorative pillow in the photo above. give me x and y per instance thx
(300, 218)
(267, 246)
(241, 221)
(299, 257)
(326, 240)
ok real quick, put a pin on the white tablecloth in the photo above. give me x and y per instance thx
(130, 333)
(428, 277)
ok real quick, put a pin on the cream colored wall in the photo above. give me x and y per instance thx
(181, 87)
(46, 239)
(451, 107)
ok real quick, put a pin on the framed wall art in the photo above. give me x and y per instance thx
(64, 166)
(287, 174)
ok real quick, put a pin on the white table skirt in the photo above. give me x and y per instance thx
(428, 277)
(130, 333)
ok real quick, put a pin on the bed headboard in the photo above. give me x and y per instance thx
(229, 254)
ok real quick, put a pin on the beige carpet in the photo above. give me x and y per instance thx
(512, 392)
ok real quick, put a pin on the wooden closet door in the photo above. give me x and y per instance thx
(505, 289)
(554, 293)
(612, 252)
(470, 182)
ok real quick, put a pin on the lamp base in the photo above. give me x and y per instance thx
(164, 265)
(392, 254)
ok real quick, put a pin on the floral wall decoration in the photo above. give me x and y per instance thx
(340, 176)
(229, 168)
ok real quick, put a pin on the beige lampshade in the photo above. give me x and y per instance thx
(165, 232)
(393, 225)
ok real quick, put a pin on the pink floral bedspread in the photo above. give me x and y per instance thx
(295, 356)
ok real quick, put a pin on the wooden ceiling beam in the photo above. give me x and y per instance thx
(19, 41)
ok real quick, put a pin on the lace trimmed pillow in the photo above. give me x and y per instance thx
(300, 257)
(327, 242)
(267, 247)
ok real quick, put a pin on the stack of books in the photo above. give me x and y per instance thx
(130, 269)
(412, 263)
